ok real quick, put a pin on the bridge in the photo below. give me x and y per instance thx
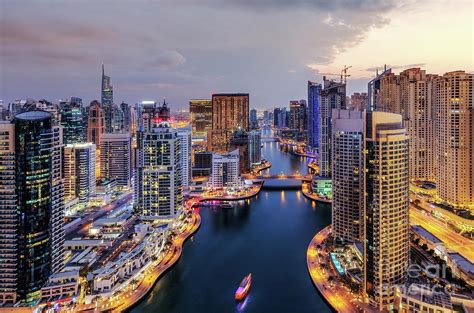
(280, 181)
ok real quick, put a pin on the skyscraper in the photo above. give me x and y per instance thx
(79, 171)
(158, 182)
(151, 114)
(107, 100)
(375, 101)
(184, 135)
(454, 136)
(314, 90)
(386, 229)
(359, 101)
(116, 158)
(348, 174)
(31, 204)
(253, 119)
(297, 118)
(225, 170)
(200, 116)
(276, 115)
(72, 122)
(255, 147)
(333, 96)
(96, 123)
(230, 112)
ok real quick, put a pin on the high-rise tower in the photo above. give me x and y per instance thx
(333, 96)
(314, 90)
(107, 100)
(386, 223)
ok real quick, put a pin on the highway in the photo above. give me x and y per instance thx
(451, 239)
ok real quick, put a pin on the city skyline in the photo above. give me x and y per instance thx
(63, 58)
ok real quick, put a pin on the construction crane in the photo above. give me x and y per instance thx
(343, 74)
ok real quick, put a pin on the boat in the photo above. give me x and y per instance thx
(244, 288)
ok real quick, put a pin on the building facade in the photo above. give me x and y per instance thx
(454, 137)
(347, 174)
(333, 96)
(184, 135)
(314, 90)
(116, 158)
(225, 170)
(230, 112)
(200, 116)
(79, 172)
(158, 182)
(386, 223)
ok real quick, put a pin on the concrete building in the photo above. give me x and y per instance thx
(116, 158)
(454, 137)
(202, 164)
(225, 170)
(79, 172)
(151, 113)
(386, 188)
(359, 101)
(348, 174)
(158, 182)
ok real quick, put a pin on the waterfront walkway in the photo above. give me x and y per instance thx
(337, 297)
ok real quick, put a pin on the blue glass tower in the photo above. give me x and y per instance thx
(314, 90)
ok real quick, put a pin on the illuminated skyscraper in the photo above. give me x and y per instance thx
(314, 100)
(107, 100)
(200, 115)
(297, 118)
(454, 137)
(225, 170)
(348, 174)
(333, 96)
(386, 229)
(72, 121)
(96, 123)
(79, 171)
(151, 114)
(253, 119)
(31, 204)
(184, 135)
(230, 112)
(158, 182)
(116, 158)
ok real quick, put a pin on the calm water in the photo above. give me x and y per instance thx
(266, 236)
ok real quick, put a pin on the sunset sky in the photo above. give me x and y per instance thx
(182, 49)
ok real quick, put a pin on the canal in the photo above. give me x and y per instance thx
(266, 236)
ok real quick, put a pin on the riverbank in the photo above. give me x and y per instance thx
(255, 190)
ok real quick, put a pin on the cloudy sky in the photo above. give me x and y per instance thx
(182, 49)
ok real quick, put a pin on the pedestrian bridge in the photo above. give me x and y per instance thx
(280, 181)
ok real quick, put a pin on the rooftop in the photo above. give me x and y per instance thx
(33, 115)
(425, 234)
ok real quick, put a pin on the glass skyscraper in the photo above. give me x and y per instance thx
(314, 90)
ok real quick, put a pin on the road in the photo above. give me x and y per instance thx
(449, 237)
(81, 228)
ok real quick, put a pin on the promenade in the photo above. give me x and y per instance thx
(337, 296)
(126, 299)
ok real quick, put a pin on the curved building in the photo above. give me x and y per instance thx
(33, 145)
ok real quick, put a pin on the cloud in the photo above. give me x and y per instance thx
(394, 67)
(165, 59)
(178, 49)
